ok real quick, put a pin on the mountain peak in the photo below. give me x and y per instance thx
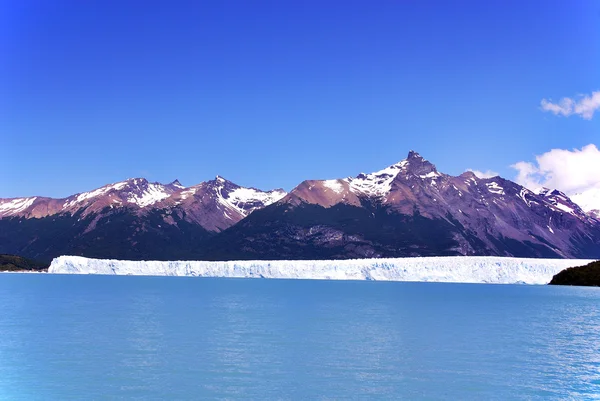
(177, 184)
(468, 175)
(418, 165)
(219, 181)
(221, 186)
(556, 192)
(129, 184)
(547, 192)
(414, 155)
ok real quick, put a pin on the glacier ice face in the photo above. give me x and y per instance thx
(453, 269)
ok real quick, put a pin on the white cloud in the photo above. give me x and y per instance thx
(529, 176)
(575, 172)
(483, 174)
(584, 106)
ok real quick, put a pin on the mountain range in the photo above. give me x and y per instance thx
(406, 209)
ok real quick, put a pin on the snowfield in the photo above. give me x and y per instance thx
(451, 269)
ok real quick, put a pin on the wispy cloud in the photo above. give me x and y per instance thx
(483, 174)
(583, 105)
(574, 171)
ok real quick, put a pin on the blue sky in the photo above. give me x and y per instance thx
(268, 94)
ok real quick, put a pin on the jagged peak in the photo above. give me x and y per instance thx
(140, 181)
(547, 192)
(556, 192)
(221, 181)
(134, 180)
(176, 183)
(224, 186)
(412, 155)
(417, 164)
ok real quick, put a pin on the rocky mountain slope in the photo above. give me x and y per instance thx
(407, 209)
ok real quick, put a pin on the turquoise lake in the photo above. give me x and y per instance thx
(122, 337)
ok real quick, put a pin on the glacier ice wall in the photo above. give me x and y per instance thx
(456, 269)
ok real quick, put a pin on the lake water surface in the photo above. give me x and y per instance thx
(98, 337)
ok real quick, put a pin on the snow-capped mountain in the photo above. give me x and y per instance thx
(406, 209)
(219, 203)
(411, 209)
(135, 192)
(416, 182)
(140, 196)
(133, 218)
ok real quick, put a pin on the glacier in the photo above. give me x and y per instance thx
(451, 269)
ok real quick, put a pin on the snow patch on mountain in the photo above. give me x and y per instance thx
(251, 195)
(455, 269)
(523, 195)
(378, 183)
(189, 192)
(564, 208)
(243, 200)
(431, 174)
(495, 188)
(335, 185)
(16, 205)
(152, 194)
(562, 202)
